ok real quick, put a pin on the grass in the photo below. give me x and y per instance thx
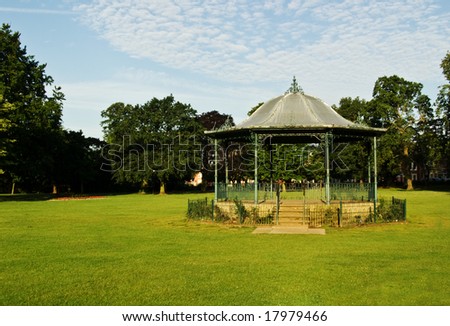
(140, 250)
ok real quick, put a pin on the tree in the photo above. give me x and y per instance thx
(154, 142)
(352, 109)
(445, 65)
(393, 106)
(5, 126)
(355, 155)
(443, 112)
(290, 162)
(214, 120)
(30, 119)
(78, 167)
(426, 148)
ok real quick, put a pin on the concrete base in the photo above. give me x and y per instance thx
(287, 230)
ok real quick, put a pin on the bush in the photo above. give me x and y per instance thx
(391, 211)
(199, 209)
(220, 215)
(241, 211)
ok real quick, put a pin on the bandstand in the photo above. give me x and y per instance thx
(298, 118)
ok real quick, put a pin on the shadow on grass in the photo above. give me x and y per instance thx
(45, 197)
(26, 197)
(421, 186)
(443, 187)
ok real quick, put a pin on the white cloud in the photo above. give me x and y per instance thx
(348, 44)
(38, 11)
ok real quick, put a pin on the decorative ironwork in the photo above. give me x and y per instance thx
(295, 87)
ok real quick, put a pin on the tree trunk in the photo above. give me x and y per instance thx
(409, 184)
(144, 185)
(407, 169)
(12, 188)
(162, 189)
(55, 189)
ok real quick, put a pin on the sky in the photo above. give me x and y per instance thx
(226, 55)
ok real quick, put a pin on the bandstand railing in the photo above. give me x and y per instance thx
(244, 191)
(304, 206)
(307, 191)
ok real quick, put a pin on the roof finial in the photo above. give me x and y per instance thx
(295, 87)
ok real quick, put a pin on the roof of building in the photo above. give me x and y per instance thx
(296, 117)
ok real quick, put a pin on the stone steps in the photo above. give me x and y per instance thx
(290, 221)
(291, 213)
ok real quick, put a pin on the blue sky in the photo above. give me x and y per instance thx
(227, 55)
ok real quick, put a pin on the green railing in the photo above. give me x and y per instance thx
(308, 191)
(244, 192)
(393, 210)
(351, 191)
(314, 214)
(347, 213)
(232, 212)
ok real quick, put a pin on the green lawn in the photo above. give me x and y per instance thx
(140, 250)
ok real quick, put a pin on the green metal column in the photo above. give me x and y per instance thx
(216, 173)
(369, 178)
(256, 169)
(375, 178)
(225, 158)
(327, 168)
(271, 168)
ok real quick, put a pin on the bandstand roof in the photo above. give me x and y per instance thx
(296, 117)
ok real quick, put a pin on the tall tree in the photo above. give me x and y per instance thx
(445, 65)
(30, 119)
(154, 142)
(354, 156)
(215, 120)
(5, 125)
(443, 113)
(393, 106)
(79, 162)
(426, 148)
(353, 109)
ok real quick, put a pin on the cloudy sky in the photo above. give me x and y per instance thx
(227, 55)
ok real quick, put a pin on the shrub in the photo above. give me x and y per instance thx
(199, 209)
(220, 215)
(241, 211)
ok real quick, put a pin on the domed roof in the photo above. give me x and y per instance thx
(296, 114)
(294, 110)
